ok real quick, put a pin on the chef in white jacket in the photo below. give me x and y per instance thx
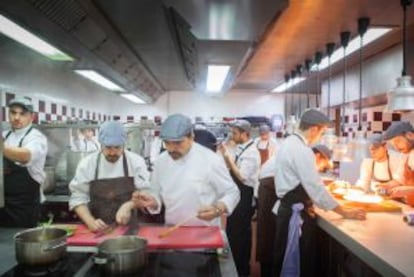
(381, 167)
(102, 188)
(191, 180)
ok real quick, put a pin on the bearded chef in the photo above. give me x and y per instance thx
(191, 180)
(102, 188)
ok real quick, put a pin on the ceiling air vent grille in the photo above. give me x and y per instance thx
(65, 13)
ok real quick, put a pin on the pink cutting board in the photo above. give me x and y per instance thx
(83, 237)
(186, 237)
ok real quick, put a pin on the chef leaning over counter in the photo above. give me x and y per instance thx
(401, 136)
(192, 181)
(298, 185)
(102, 188)
(382, 167)
(25, 150)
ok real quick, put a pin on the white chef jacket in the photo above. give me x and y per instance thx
(368, 179)
(85, 172)
(200, 178)
(296, 165)
(248, 163)
(36, 142)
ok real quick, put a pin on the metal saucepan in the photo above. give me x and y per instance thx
(40, 246)
(122, 255)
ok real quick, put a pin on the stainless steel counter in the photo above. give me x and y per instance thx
(383, 241)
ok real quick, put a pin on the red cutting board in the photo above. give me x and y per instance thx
(83, 237)
(186, 237)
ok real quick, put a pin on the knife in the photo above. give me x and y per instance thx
(106, 231)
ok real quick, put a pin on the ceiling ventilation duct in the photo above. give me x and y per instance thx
(186, 43)
(86, 23)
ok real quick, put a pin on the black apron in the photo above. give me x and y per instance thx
(239, 229)
(21, 193)
(307, 241)
(107, 195)
(265, 225)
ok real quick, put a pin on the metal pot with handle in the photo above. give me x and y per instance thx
(40, 246)
(122, 255)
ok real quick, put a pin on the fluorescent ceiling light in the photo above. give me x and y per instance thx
(133, 98)
(14, 31)
(99, 79)
(354, 45)
(284, 86)
(216, 75)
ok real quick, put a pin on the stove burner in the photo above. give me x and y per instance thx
(53, 269)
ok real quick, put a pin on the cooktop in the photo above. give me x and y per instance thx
(175, 263)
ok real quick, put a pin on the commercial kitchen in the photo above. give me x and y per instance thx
(86, 62)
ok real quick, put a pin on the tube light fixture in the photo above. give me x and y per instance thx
(133, 98)
(19, 34)
(99, 79)
(371, 35)
(216, 75)
(284, 86)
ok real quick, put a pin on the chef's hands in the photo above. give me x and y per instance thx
(350, 213)
(123, 215)
(96, 225)
(404, 192)
(210, 212)
(143, 199)
(386, 188)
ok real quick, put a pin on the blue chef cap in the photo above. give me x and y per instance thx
(112, 133)
(398, 129)
(23, 102)
(176, 127)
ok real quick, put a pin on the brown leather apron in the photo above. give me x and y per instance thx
(107, 195)
(408, 174)
(264, 153)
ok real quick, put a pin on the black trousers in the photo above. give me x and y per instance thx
(307, 242)
(239, 230)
